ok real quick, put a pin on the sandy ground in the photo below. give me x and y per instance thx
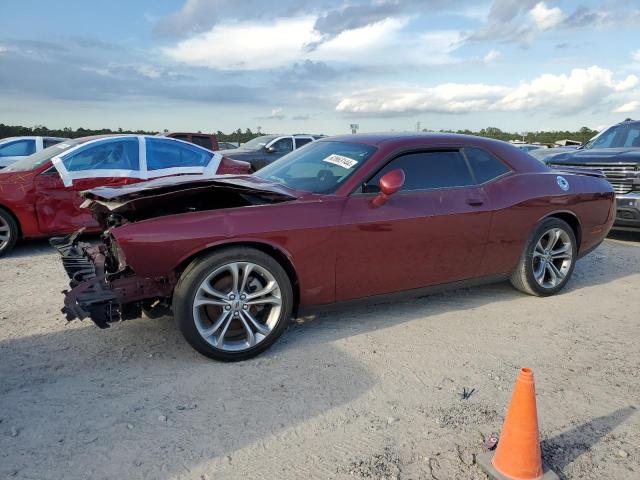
(363, 393)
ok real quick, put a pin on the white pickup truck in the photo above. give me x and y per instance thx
(15, 148)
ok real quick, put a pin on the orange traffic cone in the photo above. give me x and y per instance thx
(518, 455)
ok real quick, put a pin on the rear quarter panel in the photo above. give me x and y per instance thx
(303, 230)
(520, 201)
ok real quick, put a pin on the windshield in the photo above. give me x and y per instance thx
(618, 136)
(318, 167)
(40, 158)
(257, 143)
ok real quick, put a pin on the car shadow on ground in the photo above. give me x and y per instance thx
(40, 246)
(625, 236)
(565, 448)
(29, 248)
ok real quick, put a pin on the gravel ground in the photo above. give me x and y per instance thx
(361, 393)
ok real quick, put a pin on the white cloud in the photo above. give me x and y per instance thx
(545, 18)
(445, 98)
(257, 46)
(629, 107)
(563, 94)
(3, 49)
(492, 56)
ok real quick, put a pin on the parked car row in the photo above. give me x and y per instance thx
(235, 253)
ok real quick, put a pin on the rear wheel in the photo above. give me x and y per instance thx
(233, 304)
(8, 232)
(548, 259)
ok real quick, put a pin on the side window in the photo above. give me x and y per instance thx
(48, 142)
(302, 141)
(181, 137)
(484, 165)
(427, 170)
(202, 141)
(19, 148)
(119, 154)
(164, 153)
(284, 145)
(633, 138)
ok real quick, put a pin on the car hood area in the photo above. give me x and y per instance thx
(598, 156)
(113, 206)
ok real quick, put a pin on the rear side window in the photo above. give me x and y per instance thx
(119, 154)
(18, 148)
(164, 153)
(484, 165)
(202, 141)
(427, 170)
(48, 142)
(302, 141)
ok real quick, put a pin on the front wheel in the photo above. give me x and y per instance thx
(233, 304)
(8, 232)
(548, 259)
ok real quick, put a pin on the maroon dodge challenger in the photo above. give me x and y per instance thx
(340, 220)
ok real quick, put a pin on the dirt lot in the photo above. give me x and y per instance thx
(367, 393)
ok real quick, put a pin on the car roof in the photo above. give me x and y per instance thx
(401, 138)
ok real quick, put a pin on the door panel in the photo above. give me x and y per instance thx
(414, 240)
(58, 207)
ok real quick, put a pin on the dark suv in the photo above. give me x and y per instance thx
(616, 152)
(263, 150)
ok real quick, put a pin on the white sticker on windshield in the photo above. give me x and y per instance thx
(62, 146)
(341, 161)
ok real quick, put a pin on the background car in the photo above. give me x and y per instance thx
(227, 145)
(205, 140)
(266, 149)
(545, 155)
(616, 152)
(528, 147)
(340, 220)
(13, 149)
(39, 195)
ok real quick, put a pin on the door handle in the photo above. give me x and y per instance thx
(474, 202)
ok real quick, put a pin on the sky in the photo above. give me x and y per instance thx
(317, 66)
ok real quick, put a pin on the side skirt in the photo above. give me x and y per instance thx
(405, 294)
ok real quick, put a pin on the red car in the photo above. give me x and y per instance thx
(39, 195)
(343, 219)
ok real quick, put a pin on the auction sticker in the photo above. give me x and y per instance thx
(341, 161)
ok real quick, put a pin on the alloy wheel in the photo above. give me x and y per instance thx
(237, 306)
(552, 258)
(5, 233)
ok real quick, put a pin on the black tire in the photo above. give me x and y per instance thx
(196, 273)
(523, 277)
(7, 222)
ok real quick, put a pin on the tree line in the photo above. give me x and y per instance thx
(40, 130)
(241, 136)
(550, 137)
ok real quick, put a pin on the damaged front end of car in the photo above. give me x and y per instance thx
(102, 288)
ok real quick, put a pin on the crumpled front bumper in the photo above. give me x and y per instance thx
(105, 296)
(90, 294)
